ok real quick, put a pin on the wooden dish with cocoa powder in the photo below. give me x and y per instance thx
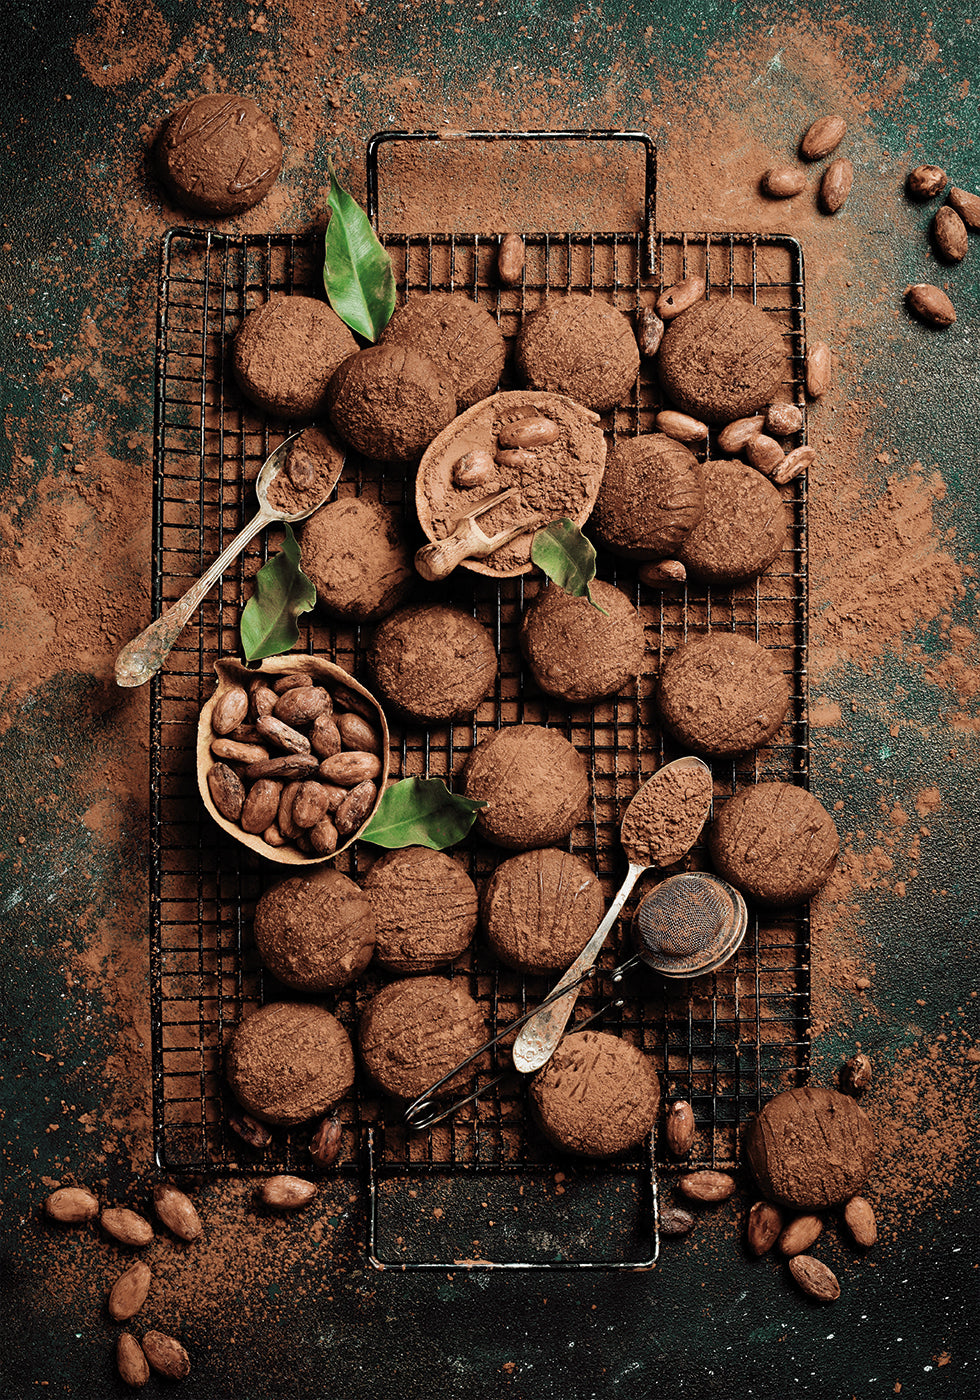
(233, 674)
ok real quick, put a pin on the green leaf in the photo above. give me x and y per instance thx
(562, 552)
(420, 812)
(357, 273)
(282, 593)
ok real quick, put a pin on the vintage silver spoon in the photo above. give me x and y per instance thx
(141, 658)
(648, 845)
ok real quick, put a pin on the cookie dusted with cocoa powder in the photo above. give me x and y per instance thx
(722, 694)
(722, 359)
(580, 650)
(775, 842)
(389, 402)
(811, 1148)
(580, 346)
(744, 525)
(596, 1096)
(425, 909)
(535, 784)
(285, 353)
(357, 556)
(651, 497)
(315, 932)
(434, 663)
(289, 1061)
(218, 154)
(415, 1031)
(458, 335)
(540, 908)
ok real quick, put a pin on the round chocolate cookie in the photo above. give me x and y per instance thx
(811, 1148)
(650, 498)
(722, 693)
(722, 359)
(425, 909)
(540, 908)
(535, 782)
(358, 559)
(218, 154)
(413, 1032)
(459, 336)
(576, 652)
(579, 346)
(433, 662)
(596, 1096)
(775, 842)
(389, 402)
(285, 352)
(315, 932)
(289, 1061)
(743, 526)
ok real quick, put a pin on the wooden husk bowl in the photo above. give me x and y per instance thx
(231, 673)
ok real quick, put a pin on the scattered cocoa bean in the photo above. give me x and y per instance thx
(794, 464)
(353, 812)
(510, 259)
(227, 791)
(764, 1226)
(357, 733)
(679, 1127)
(260, 806)
(230, 709)
(166, 1355)
(476, 468)
(822, 136)
(326, 1141)
(234, 751)
(764, 453)
(132, 1365)
(967, 205)
(649, 331)
(286, 1192)
(250, 1130)
(126, 1226)
(800, 1234)
(859, 1217)
(926, 181)
(291, 680)
(675, 1222)
(784, 418)
(949, 234)
(680, 426)
(736, 434)
(836, 184)
(856, 1073)
(177, 1212)
(302, 705)
(350, 768)
(709, 1187)
(662, 573)
(71, 1205)
(930, 304)
(679, 297)
(284, 736)
(817, 369)
(783, 181)
(128, 1293)
(815, 1279)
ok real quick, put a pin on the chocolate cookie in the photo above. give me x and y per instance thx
(743, 526)
(577, 652)
(722, 693)
(218, 154)
(596, 1096)
(356, 554)
(285, 353)
(775, 842)
(433, 662)
(580, 346)
(389, 402)
(535, 783)
(722, 359)
(650, 498)
(811, 1148)
(425, 909)
(540, 908)
(289, 1062)
(459, 336)
(315, 932)
(413, 1032)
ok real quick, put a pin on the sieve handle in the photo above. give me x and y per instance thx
(536, 1043)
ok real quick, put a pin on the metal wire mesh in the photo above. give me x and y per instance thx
(725, 1041)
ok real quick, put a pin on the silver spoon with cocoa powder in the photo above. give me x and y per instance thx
(293, 481)
(660, 825)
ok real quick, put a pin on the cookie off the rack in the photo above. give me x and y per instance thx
(597, 1096)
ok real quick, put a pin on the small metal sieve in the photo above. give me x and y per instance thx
(690, 924)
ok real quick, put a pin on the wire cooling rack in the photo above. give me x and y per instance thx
(725, 1041)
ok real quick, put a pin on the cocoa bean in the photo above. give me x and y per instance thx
(822, 136)
(679, 297)
(345, 697)
(949, 234)
(856, 1073)
(71, 1205)
(515, 459)
(234, 751)
(128, 1293)
(783, 181)
(309, 804)
(764, 453)
(967, 205)
(679, 1127)
(291, 680)
(227, 791)
(817, 369)
(709, 1187)
(325, 736)
(326, 1141)
(794, 464)
(764, 1226)
(177, 1212)
(229, 709)
(126, 1226)
(323, 836)
(273, 837)
(529, 433)
(736, 434)
(800, 1234)
(649, 331)
(286, 1192)
(284, 815)
(925, 181)
(289, 767)
(260, 806)
(510, 259)
(675, 1222)
(476, 468)
(284, 736)
(132, 1365)
(166, 1355)
(859, 1217)
(262, 698)
(815, 1279)
(836, 185)
(783, 419)
(302, 705)
(680, 426)
(353, 812)
(930, 304)
(250, 1130)
(350, 768)
(662, 573)
(357, 733)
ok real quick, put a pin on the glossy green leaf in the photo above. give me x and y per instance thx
(282, 593)
(420, 812)
(357, 273)
(562, 552)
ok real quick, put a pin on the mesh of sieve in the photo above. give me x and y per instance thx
(690, 924)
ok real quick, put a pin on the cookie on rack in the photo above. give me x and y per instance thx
(540, 908)
(580, 346)
(425, 909)
(535, 783)
(218, 154)
(389, 402)
(285, 353)
(315, 932)
(289, 1062)
(722, 359)
(356, 554)
(597, 1095)
(722, 693)
(458, 335)
(582, 650)
(415, 1031)
(651, 497)
(432, 662)
(775, 842)
(744, 525)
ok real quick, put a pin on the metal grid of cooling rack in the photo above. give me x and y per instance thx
(725, 1041)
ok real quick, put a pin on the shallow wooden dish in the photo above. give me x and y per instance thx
(231, 673)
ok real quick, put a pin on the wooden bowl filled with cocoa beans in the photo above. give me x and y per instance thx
(292, 758)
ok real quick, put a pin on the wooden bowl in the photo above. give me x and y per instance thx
(231, 673)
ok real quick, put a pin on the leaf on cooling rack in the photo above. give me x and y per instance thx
(357, 273)
(420, 812)
(282, 592)
(561, 551)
